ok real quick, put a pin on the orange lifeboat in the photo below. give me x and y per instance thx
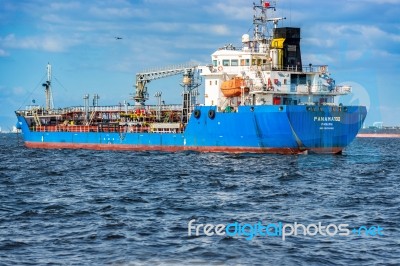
(232, 88)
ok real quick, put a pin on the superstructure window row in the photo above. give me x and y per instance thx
(241, 62)
(233, 62)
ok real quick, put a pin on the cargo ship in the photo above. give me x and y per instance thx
(258, 98)
(378, 130)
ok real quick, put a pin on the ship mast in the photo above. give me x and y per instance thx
(47, 89)
(260, 20)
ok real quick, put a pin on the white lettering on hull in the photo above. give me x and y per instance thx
(326, 118)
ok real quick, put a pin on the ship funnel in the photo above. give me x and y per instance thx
(287, 41)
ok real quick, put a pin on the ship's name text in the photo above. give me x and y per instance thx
(327, 118)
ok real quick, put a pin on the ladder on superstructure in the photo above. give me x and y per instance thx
(92, 115)
(36, 118)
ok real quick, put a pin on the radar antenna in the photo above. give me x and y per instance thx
(275, 21)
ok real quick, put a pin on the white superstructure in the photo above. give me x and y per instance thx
(267, 70)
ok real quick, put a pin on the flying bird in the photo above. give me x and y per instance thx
(118, 38)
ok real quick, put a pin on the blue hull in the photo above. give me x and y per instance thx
(275, 129)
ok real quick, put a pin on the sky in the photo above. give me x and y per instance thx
(358, 39)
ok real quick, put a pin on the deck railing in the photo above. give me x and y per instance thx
(83, 129)
(37, 110)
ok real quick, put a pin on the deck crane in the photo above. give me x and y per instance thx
(190, 82)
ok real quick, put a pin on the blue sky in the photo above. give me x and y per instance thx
(358, 39)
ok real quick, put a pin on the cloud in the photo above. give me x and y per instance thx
(352, 41)
(233, 9)
(183, 29)
(54, 19)
(115, 10)
(168, 2)
(379, 2)
(355, 37)
(112, 12)
(354, 54)
(317, 59)
(3, 53)
(216, 29)
(55, 43)
(19, 91)
(165, 27)
(56, 6)
(219, 29)
(319, 42)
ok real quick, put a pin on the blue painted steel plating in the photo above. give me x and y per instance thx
(269, 128)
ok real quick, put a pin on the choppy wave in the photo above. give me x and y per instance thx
(133, 208)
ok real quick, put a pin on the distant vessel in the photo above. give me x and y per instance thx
(258, 98)
(13, 130)
(378, 130)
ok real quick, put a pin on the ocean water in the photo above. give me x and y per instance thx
(81, 207)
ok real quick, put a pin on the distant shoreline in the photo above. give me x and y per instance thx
(377, 135)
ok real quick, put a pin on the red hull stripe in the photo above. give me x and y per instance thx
(125, 147)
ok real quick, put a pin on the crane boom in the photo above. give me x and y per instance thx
(145, 77)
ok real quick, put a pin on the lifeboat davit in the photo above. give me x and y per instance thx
(232, 88)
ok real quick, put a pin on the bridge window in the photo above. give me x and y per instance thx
(300, 79)
(234, 62)
(257, 62)
(215, 63)
(225, 62)
(245, 62)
